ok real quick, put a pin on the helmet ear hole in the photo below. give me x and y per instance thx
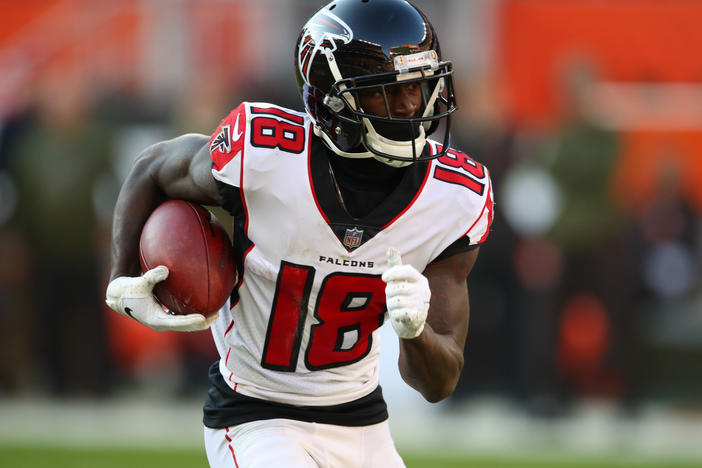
(349, 135)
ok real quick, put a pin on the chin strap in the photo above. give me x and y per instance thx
(430, 103)
(386, 145)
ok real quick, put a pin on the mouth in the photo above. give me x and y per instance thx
(398, 131)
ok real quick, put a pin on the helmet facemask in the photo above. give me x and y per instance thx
(399, 140)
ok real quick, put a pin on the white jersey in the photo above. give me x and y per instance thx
(304, 327)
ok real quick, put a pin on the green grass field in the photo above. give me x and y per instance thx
(45, 457)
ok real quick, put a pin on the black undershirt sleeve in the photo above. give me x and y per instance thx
(461, 245)
(231, 198)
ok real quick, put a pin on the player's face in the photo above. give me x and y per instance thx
(403, 100)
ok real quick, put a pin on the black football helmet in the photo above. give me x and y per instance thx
(355, 45)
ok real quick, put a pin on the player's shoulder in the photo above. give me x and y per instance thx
(466, 182)
(459, 170)
(260, 127)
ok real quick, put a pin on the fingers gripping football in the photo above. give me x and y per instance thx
(407, 296)
(133, 296)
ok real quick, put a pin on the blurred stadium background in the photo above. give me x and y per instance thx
(586, 328)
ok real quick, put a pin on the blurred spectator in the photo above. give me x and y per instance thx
(668, 238)
(581, 156)
(55, 163)
(15, 314)
(595, 289)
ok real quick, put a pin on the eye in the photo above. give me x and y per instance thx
(404, 87)
(413, 87)
(372, 93)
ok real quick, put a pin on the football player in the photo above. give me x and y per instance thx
(346, 216)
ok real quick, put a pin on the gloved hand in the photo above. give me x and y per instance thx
(133, 296)
(407, 296)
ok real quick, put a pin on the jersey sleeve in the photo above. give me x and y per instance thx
(474, 193)
(227, 147)
(480, 229)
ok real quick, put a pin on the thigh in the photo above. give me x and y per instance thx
(379, 448)
(358, 447)
(297, 444)
(258, 444)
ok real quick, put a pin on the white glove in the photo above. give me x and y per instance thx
(133, 296)
(407, 296)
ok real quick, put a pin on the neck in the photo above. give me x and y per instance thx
(366, 173)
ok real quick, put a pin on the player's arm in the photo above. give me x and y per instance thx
(432, 361)
(174, 169)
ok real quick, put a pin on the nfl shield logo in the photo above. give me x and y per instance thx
(352, 238)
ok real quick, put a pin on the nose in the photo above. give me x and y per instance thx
(404, 100)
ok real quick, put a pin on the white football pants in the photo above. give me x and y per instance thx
(284, 443)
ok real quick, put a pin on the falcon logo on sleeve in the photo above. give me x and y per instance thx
(222, 142)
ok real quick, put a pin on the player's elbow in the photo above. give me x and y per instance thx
(438, 392)
(144, 164)
(444, 386)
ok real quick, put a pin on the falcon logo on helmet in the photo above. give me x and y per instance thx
(321, 32)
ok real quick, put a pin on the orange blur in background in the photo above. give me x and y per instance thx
(632, 69)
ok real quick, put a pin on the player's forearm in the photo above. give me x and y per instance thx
(431, 364)
(137, 199)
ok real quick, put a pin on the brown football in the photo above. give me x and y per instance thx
(193, 244)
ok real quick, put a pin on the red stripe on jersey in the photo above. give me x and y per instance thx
(231, 374)
(226, 360)
(309, 176)
(489, 204)
(229, 328)
(416, 195)
(240, 275)
(279, 112)
(243, 197)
